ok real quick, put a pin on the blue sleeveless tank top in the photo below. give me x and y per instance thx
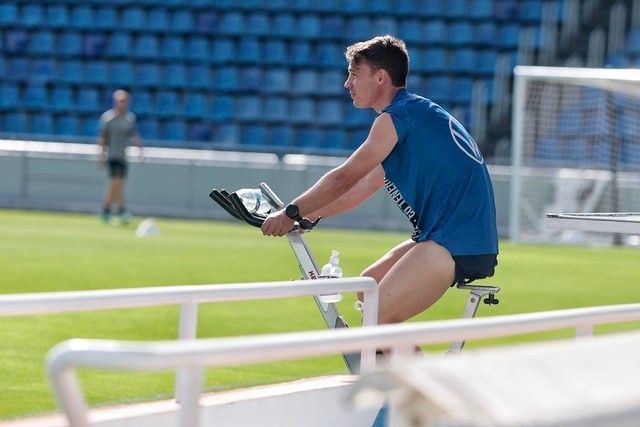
(438, 177)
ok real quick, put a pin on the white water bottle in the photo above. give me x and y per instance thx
(253, 200)
(331, 270)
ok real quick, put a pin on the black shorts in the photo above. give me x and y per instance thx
(117, 168)
(474, 267)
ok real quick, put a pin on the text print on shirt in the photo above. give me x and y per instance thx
(464, 141)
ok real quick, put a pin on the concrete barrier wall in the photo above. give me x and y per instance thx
(176, 183)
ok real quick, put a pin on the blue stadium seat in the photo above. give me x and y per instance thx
(356, 7)
(632, 45)
(69, 44)
(460, 33)
(174, 75)
(630, 154)
(484, 33)
(226, 134)
(205, 21)
(332, 82)
(255, 135)
(18, 69)
(142, 102)
(308, 138)
(300, 54)
(197, 49)
(195, 106)
(481, 9)
(199, 132)
(330, 112)
(435, 60)
(43, 70)
(359, 28)
(222, 108)
(283, 25)
(385, 25)
(334, 139)
(173, 130)
(41, 124)
(231, 23)
(456, 9)
(438, 89)
(93, 45)
(330, 6)
(32, 15)
(506, 10)
(280, 136)
(436, 32)
(308, 26)
(146, 46)
(276, 109)
(332, 27)
(410, 30)
(88, 100)
(251, 79)
(249, 50)
(181, 21)
(355, 137)
(82, 17)
(8, 13)
(133, 18)
(67, 125)
(167, 104)
(90, 127)
(14, 123)
(224, 50)
(226, 78)
(36, 97)
(277, 80)
(147, 74)
(508, 35)
(57, 15)
(158, 19)
(96, 72)
(274, 5)
(106, 18)
(305, 81)
(16, 41)
(258, 24)
(303, 111)
(148, 128)
(461, 90)
(70, 71)
(199, 76)
(463, 60)
(121, 74)
(41, 42)
(330, 55)
(248, 108)
(9, 96)
(119, 45)
(172, 47)
(356, 117)
(530, 11)
(486, 62)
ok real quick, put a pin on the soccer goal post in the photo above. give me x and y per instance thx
(575, 146)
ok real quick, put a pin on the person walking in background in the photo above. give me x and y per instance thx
(118, 129)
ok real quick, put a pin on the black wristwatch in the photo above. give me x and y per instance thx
(293, 212)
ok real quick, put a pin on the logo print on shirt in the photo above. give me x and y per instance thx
(464, 141)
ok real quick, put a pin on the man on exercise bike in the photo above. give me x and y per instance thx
(433, 170)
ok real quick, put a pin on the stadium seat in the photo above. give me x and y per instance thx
(181, 21)
(9, 96)
(248, 108)
(167, 104)
(283, 25)
(356, 7)
(41, 124)
(224, 50)
(174, 75)
(303, 111)
(32, 15)
(300, 54)
(436, 32)
(435, 60)
(205, 21)
(251, 79)
(57, 15)
(330, 55)
(148, 128)
(258, 24)
(305, 82)
(461, 90)
(438, 89)
(93, 45)
(481, 9)
(195, 106)
(359, 28)
(88, 100)
(226, 78)
(67, 125)
(277, 80)
(508, 35)
(222, 108)
(90, 127)
(632, 45)
(308, 26)
(276, 109)
(253, 135)
(16, 41)
(530, 11)
(199, 76)
(69, 44)
(460, 33)
(43, 70)
(356, 137)
(70, 71)
(133, 18)
(14, 122)
(356, 117)
(484, 33)
(332, 82)
(332, 27)
(41, 42)
(146, 46)
(96, 72)
(121, 73)
(158, 19)
(172, 47)
(486, 62)
(231, 23)
(308, 138)
(106, 18)
(385, 25)
(199, 132)
(506, 10)
(82, 17)
(249, 50)
(36, 97)
(18, 69)
(8, 13)
(333, 139)
(463, 60)
(197, 49)
(280, 136)
(119, 45)
(410, 30)
(173, 130)
(330, 112)
(226, 134)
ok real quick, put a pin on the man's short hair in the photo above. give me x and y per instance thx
(388, 53)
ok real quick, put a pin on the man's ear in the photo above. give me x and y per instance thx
(381, 76)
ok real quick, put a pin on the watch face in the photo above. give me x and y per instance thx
(292, 211)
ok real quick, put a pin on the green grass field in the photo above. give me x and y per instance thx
(55, 252)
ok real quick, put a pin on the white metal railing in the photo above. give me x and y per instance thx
(193, 355)
(188, 297)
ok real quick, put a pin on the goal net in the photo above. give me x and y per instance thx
(575, 148)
